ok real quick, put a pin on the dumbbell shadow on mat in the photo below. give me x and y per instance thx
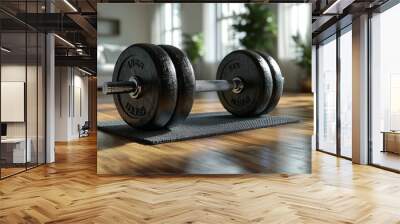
(154, 85)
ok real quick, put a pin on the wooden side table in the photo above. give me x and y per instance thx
(391, 141)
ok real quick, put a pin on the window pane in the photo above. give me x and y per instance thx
(346, 94)
(327, 97)
(228, 39)
(385, 84)
(177, 38)
(13, 83)
(168, 16)
(293, 19)
(176, 18)
(225, 10)
(171, 32)
(168, 37)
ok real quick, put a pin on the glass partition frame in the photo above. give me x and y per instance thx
(34, 65)
(337, 151)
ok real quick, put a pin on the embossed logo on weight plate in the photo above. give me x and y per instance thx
(241, 100)
(135, 111)
(234, 66)
(135, 62)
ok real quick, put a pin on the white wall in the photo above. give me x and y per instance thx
(134, 22)
(80, 84)
(61, 103)
(70, 82)
(192, 17)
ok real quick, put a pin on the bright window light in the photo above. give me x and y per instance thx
(171, 26)
(227, 38)
(293, 19)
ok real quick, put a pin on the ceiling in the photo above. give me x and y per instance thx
(74, 22)
(330, 15)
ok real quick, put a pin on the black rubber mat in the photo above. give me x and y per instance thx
(195, 126)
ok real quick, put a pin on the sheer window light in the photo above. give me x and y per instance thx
(171, 25)
(292, 19)
(227, 38)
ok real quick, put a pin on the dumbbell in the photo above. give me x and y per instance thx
(153, 86)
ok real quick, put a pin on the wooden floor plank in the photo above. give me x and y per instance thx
(284, 148)
(70, 191)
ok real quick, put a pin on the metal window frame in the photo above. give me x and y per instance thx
(382, 8)
(337, 35)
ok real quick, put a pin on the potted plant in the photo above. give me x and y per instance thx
(257, 27)
(193, 46)
(303, 60)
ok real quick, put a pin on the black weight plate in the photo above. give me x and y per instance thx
(256, 75)
(152, 65)
(278, 81)
(186, 83)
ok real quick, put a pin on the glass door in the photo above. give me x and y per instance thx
(385, 89)
(326, 124)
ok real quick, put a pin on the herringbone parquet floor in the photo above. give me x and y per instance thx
(70, 191)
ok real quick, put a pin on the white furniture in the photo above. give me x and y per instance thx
(18, 149)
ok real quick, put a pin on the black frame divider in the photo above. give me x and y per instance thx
(369, 77)
(37, 91)
(338, 98)
(316, 97)
(26, 88)
(0, 99)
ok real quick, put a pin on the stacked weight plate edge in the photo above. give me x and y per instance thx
(258, 84)
(156, 72)
(278, 81)
(186, 83)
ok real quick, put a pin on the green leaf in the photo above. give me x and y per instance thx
(193, 46)
(258, 23)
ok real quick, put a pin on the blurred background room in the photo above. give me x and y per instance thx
(207, 33)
